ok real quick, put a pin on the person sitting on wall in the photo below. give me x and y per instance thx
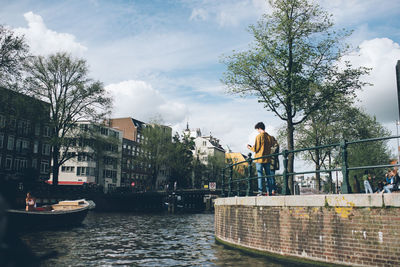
(389, 182)
(30, 202)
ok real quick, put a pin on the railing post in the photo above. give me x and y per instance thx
(222, 183)
(238, 188)
(250, 161)
(230, 181)
(285, 189)
(345, 172)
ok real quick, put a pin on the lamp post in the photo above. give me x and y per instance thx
(398, 103)
(398, 146)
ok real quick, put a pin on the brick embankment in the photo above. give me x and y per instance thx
(357, 230)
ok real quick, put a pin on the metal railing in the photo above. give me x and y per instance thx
(344, 168)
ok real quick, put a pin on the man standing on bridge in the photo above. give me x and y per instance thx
(262, 147)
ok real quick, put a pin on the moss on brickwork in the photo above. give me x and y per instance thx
(294, 261)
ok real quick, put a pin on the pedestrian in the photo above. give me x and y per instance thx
(262, 147)
(367, 182)
(389, 182)
(30, 202)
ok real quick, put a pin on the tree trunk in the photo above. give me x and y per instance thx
(290, 141)
(56, 165)
(318, 177)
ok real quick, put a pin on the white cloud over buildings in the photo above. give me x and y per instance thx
(380, 99)
(43, 41)
(140, 100)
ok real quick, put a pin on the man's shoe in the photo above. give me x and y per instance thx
(259, 194)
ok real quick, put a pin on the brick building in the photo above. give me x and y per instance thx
(25, 150)
(132, 169)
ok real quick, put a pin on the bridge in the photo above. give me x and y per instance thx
(333, 229)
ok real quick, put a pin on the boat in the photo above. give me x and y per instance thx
(66, 213)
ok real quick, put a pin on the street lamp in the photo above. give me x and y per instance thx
(398, 146)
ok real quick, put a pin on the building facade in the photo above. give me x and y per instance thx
(25, 132)
(205, 146)
(97, 151)
(134, 173)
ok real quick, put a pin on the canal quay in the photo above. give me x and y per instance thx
(199, 133)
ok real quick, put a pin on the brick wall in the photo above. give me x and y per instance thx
(361, 229)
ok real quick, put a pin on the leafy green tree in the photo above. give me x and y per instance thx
(364, 126)
(214, 166)
(13, 53)
(292, 66)
(155, 150)
(343, 122)
(322, 128)
(180, 160)
(199, 171)
(63, 81)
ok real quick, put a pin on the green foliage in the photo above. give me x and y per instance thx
(181, 160)
(213, 168)
(343, 121)
(13, 53)
(292, 66)
(364, 126)
(156, 150)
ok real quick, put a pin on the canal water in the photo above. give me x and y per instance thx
(124, 239)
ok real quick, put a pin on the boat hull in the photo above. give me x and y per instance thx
(19, 220)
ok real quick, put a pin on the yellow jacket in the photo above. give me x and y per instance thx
(262, 147)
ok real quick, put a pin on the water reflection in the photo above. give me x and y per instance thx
(112, 239)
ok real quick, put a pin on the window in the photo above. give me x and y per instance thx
(23, 164)
(10, 143)
(16, 164)
(2, 121)
(104, 131)
(67, 168)
(27, 127)
(8, 163)
(13, 122)
(82, 171)
(46, 131)
(44, 166)
(46, 149)
(25, 144)
(1, 140)
(37, 129)
(18, 145)
(34, 163)
(36, 147)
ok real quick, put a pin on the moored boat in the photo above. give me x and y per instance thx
(63, 214)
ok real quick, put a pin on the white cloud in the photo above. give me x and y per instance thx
(44, 41)
(232, 122)
(356, 11)
(380, 54)
(229, 13)
(199, 14)
(140, 100)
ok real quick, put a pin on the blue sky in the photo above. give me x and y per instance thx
(163, 57)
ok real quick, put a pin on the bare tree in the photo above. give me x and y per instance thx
(63, 81)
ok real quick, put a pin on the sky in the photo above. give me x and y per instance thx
(163, 57)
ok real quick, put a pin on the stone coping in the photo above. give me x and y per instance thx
(340, 200)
